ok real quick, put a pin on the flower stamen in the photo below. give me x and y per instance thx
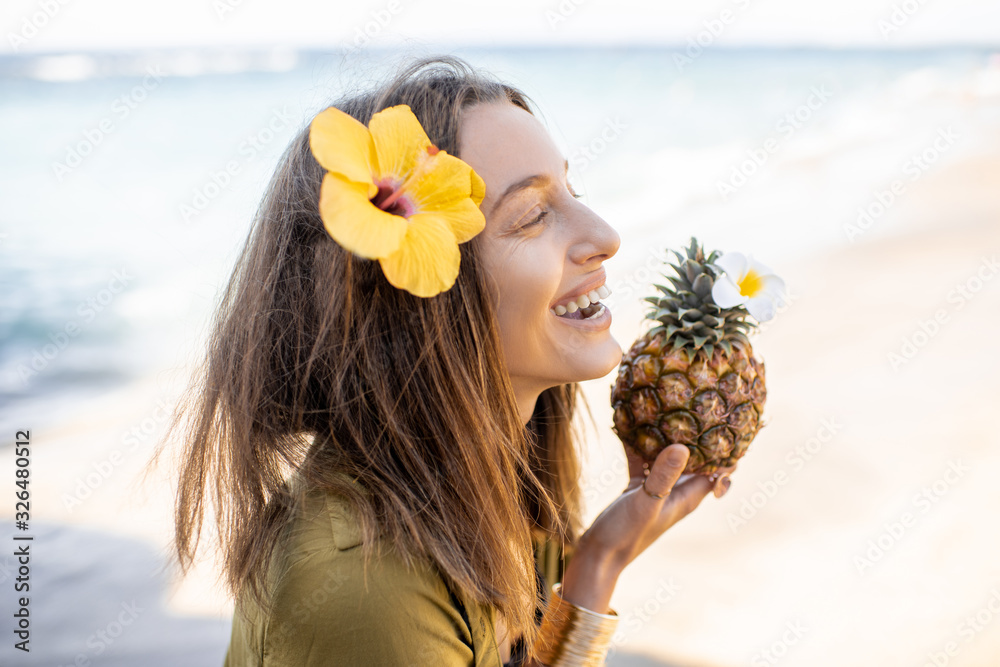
(751, 283)
(388, 199)
(402, 188)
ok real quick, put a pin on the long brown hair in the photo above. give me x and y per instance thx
(317, 365)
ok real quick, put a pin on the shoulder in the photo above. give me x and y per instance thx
(323, 553)
(325, 521)
(323, 559)
(328, 599)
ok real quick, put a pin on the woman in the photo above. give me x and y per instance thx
(387, 444)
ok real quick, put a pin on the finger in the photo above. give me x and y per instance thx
(721, 485)
(686, 497)
(666, 469)
(721, 480)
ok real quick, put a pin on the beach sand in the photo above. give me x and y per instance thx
(855, 446)
(881, 548)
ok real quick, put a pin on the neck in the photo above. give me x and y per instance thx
(526, 395)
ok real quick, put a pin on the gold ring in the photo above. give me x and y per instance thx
(653, 495)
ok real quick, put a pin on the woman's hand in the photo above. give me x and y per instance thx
(633, 522)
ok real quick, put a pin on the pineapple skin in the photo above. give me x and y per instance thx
(712, 403)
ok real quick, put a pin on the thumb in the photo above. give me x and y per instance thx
(667, 469)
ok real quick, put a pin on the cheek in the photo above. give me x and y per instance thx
(528, 282)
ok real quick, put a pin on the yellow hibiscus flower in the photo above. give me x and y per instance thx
(391, 195)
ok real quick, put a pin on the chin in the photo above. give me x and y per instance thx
(611, 353)
(596, 359)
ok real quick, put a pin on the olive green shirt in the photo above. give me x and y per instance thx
(324, 615)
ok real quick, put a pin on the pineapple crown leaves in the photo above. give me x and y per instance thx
(687, 314)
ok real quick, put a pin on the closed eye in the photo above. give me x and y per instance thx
(537, 219)
(542, 215)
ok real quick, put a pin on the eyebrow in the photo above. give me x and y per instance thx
(534, 181)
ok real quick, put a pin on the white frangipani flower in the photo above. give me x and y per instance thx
(747, 282)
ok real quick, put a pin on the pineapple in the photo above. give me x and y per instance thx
(691, 379)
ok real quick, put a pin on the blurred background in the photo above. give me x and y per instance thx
(854, 147)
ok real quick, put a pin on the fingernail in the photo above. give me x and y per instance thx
(722, 486)
(675, 456)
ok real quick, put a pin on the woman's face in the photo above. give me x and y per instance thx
(545, 250)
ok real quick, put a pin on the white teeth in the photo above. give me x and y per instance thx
(596, 313)
(584, 300)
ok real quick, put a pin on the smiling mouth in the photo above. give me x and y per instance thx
(591, 312)
(584, 307)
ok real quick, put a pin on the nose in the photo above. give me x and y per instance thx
(595, 240)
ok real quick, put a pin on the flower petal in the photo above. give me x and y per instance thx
(354, 222)
(445, 186)
(463, 217)
(774, 289)
(762, 308)
(478, 188)
(428, 258)
(774, 286)
(759, 267)
(400, 141)
(725, 293)
(343, 145)
(735, 264)
(442, 179)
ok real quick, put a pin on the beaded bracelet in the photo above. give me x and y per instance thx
(571, 636)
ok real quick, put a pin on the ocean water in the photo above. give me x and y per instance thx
(128, 181)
